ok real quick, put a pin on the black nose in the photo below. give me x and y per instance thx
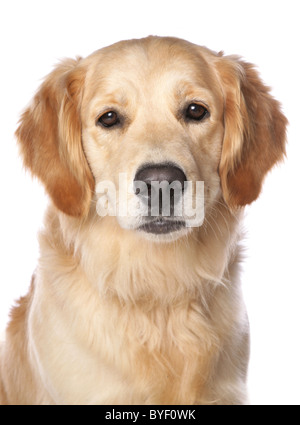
(161, 184)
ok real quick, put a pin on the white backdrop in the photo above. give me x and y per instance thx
(34, 35)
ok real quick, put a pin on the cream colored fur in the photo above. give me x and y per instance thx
(114, 316)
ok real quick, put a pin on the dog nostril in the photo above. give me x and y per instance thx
(144, 191)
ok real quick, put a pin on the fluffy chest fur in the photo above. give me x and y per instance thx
(127, 334)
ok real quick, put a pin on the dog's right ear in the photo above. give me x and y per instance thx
(49, 136)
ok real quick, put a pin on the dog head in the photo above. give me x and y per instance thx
(135, 125)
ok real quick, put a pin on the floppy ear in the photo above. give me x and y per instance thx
(255, 132)
(49, 136)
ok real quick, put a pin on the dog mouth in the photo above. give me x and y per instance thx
(162, 226)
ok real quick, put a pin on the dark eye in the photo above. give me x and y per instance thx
(109, 119)
(196, 112)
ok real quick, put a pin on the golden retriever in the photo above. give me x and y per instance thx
(135, 308)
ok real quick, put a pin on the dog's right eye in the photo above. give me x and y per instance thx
(109, 119)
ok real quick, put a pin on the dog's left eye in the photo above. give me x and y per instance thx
(109, 119)
(196, 112)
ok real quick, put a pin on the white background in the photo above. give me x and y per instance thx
(34, 35)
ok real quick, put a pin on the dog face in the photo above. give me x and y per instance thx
(152, 110)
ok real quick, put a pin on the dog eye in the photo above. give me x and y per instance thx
(196, 112)
(109, 119)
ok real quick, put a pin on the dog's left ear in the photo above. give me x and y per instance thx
(255, 131)
(49, 136)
